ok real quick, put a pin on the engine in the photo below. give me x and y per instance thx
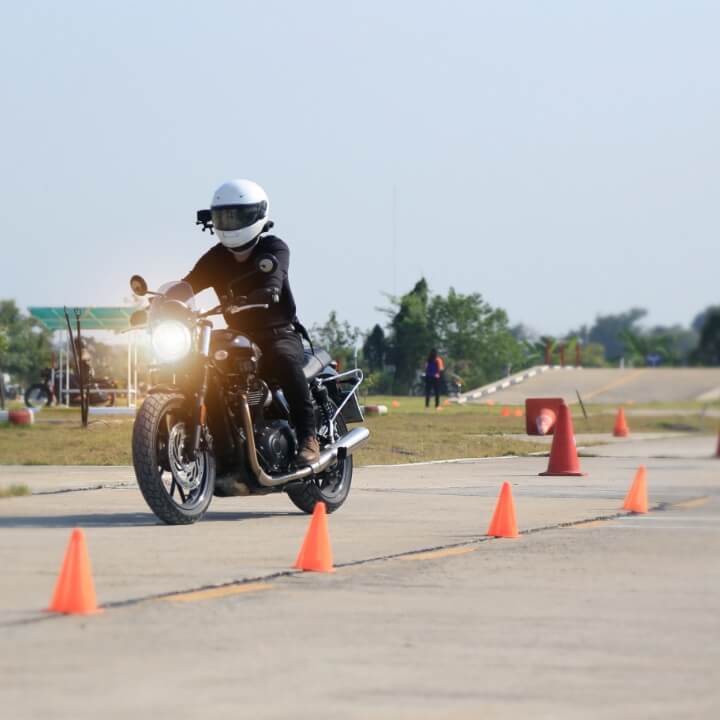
(276, 444)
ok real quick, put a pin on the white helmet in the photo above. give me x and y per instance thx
(239, 213)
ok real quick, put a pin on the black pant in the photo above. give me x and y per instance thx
(432, 384)
(282, 360)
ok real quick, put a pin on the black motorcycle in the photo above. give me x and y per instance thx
(214, 424)
(51, 391)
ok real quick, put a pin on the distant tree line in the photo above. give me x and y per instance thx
(479, 345)
(474, 338)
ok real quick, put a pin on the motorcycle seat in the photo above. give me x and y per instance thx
(315, 364)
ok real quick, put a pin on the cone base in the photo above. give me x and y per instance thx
(562, 474)
(621, 434)
(97, 611)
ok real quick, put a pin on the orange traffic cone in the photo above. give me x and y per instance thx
(519, 412)
(395, 404)
(505, 412)
(316, 553)
(545, 421)
(637, 498)
(74, 591)
(503, 523)
(563, 453)
(621, 428)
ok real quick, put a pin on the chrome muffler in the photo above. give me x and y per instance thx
(340, 449)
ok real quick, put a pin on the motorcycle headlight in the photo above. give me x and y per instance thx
(171, 341)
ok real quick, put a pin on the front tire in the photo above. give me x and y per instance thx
(37, 396)
(178, 492)
(333, 485)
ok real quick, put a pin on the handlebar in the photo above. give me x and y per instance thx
(232, 309)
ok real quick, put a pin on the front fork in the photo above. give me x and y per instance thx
(199, 412)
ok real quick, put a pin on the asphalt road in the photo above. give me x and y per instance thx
(588, 614)
(610, 386)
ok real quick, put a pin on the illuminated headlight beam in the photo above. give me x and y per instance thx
(171, 341)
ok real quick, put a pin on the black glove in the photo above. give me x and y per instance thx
(263, 296)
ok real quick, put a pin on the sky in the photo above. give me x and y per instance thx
(560, 158)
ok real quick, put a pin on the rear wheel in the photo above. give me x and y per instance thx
(333, 485)
(178, 491)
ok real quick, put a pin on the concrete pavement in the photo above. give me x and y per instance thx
(613, 618)
(605, 385)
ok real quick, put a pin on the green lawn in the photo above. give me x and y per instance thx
(409, 433)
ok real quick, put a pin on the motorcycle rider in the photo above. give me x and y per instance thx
(239, 212)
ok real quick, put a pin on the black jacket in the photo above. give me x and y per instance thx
(219, 269)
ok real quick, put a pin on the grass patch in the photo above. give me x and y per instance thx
(404, 438)
(14, 491)
(409, 433)
(103, 442)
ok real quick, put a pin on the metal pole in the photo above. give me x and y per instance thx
(394, 238)
(60, 376)
(135, 371)
(84, 389)
(129, 369)
(67, 371)
(582, 404)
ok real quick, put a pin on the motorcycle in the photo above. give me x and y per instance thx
(214, 424)
(450, 384)
(52, 389)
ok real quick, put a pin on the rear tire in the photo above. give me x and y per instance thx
(332, 486)
(178, 493)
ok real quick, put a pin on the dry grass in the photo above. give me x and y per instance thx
(14, 491)
(103, 442)
(403, 438)
(410, 433)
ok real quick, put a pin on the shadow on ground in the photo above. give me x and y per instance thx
(121, 520)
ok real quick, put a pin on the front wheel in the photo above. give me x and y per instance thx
(178, 491)
(37, 396)
(333, 485)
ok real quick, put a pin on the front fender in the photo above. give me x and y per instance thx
(165, 388)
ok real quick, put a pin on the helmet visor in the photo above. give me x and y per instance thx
(237, 217)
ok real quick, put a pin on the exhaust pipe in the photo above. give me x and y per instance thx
(339, 450)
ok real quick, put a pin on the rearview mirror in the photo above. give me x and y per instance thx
(138, 318)
(138, 285)
(266, 263)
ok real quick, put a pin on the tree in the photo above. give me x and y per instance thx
(593, 355)
(699, 320)
(338, 338)
(608, 328)
(375, 349)
(671, 345)
(680, 341)
(411, 333)
(27, 344)
(476, 337)
(708, 349)
(3, 350)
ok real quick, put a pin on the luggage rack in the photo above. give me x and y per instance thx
(349, 406)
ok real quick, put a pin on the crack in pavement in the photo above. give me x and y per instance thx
(476, 540)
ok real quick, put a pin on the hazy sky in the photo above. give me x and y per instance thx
(561, 158)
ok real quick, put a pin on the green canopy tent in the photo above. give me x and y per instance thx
(115, 319)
